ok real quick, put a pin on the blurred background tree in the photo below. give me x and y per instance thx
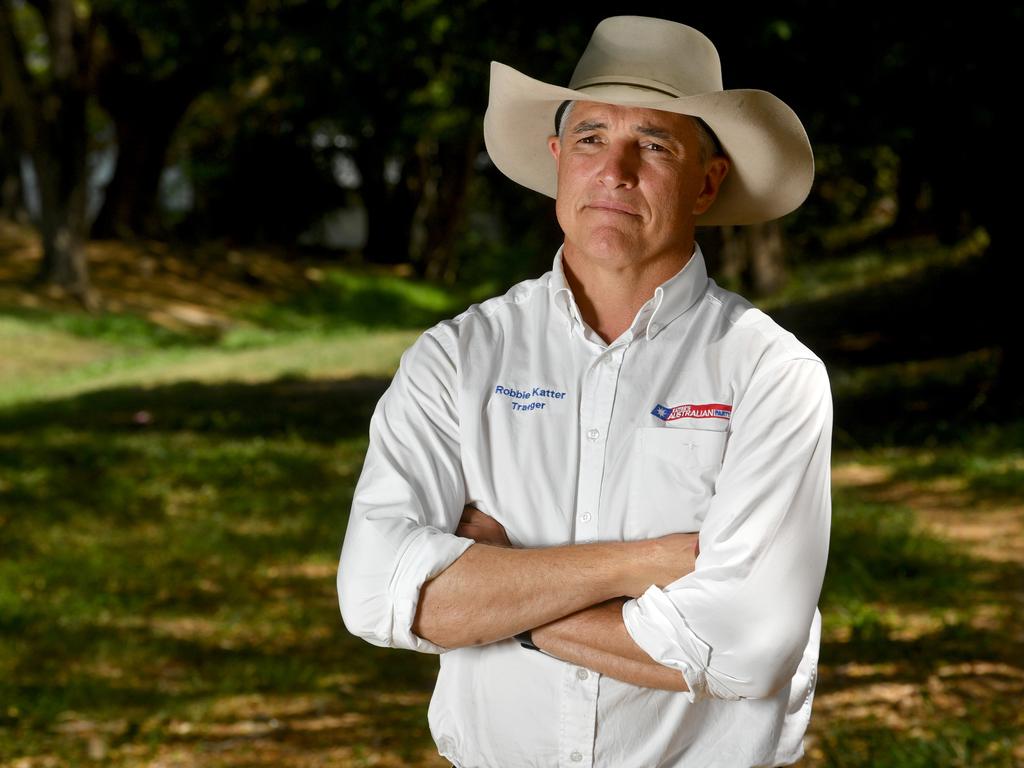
(356, 127)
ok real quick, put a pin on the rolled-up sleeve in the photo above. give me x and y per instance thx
(408, 500)
(737, 626)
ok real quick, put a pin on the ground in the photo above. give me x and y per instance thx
(175, 475)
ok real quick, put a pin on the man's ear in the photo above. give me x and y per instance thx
(717, 170)
(555, 146)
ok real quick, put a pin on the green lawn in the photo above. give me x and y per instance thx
(171, 511)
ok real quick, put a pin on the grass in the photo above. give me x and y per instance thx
(172, 501)
(173, 505)
(154, 574)
(824, 279)
(43, 372)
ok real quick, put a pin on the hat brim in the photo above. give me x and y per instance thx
(771, 161)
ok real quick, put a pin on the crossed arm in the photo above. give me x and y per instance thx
(737, 627)
(571, 597)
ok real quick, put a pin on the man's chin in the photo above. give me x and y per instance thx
(608, 245)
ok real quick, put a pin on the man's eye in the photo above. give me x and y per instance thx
(656, 147)
(587, 140)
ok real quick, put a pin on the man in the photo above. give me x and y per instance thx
(603, 497)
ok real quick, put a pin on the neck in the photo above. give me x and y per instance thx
(610, 295)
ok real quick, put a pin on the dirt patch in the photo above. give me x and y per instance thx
(938, 671)
(176, 287)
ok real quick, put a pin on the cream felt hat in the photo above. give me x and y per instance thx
(657, 64)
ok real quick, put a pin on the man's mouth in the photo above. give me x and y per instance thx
(612, 206)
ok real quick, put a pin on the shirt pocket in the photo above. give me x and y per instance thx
(673, 479)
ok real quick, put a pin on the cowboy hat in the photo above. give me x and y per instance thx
(656, 64)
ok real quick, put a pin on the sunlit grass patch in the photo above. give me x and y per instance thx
(980, 462)
(347, 299)
(31, 354)
(341, 354)
(115, 328)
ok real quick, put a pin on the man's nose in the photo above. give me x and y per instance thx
(621, 162)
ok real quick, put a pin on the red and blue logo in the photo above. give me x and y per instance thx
(693, 411)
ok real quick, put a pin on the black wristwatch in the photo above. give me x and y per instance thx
(526, 640)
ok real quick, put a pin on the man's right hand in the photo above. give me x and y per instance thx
(493, 592)
(482, 528)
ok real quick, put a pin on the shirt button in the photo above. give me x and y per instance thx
(585, 517)
(582, 674)
(593, 434)
(576, 756)
(655, 328)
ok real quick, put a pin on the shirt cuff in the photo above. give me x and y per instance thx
(655, 624)
(427, 552)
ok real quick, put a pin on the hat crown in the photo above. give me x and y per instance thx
(654, 54)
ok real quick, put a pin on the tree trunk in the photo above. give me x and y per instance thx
(732, 256)
(389, 207)
(146, 112)
(50, 117)
(59, 161)
(752, 258)
(767, 257)
(448, 170)
(12, 203)
(129, 202)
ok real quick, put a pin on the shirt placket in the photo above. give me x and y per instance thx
(580, 685)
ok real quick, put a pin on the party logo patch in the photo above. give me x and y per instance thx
(693, 411)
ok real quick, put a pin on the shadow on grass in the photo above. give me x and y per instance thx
(323, 410)
(911, 360)
(881, 560)
(153, 573)
(955, 743)
(158, 566)
(917, 317)
(920, 661)
(143, 688)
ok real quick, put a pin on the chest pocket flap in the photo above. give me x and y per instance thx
(673, 479)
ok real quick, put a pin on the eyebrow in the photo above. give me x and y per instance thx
(643, 128)
(588, 125)
(655, 133)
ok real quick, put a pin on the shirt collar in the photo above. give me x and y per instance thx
(561, 293)
(671, 299)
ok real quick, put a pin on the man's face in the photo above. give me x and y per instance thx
(630, 183)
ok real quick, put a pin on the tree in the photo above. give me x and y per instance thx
(11, 194)
(49, 110)
(159, 58)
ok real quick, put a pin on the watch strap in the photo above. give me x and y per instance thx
(526, 640)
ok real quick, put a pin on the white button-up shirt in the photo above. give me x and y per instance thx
(703, 416)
